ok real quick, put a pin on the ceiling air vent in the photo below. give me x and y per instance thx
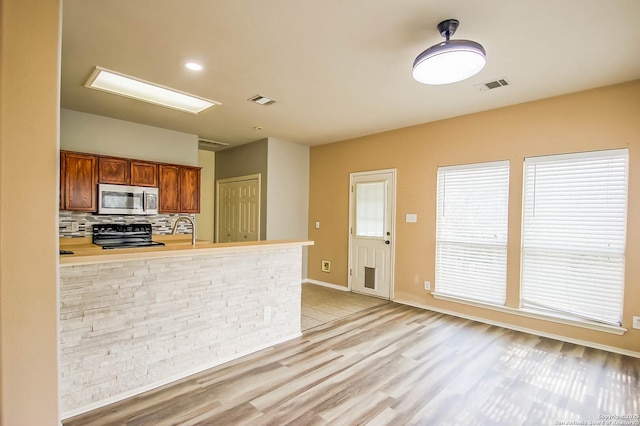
(261, 100)
(493, 84)
(209, 145)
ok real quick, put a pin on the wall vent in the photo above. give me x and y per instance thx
(209, 145)
(495, 84)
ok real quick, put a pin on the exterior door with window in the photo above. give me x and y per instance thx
(371, 233)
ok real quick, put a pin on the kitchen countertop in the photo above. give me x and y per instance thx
(84, 252)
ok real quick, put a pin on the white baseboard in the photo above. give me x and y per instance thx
(525, 330)
(167, 380)
(324, 284)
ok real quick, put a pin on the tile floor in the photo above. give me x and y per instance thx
(323, 304)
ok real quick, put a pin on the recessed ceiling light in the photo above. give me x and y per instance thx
(193, 66)
(130, 87)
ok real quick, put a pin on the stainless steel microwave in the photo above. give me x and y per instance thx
(123, 199)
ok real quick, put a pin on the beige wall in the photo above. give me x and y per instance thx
(288, 193)
(592, 120)
(204, 220)
(29, 99)
(246, 160)
(96, 134)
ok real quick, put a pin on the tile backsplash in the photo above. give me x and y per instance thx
(78, 224)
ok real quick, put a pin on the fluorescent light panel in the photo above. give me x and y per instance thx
(123, 85)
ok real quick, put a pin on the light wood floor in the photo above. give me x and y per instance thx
(394, 365)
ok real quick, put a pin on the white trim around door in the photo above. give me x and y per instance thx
(372, 230)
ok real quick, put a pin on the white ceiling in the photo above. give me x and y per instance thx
(338, 69)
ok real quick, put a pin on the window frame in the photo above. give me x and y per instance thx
(573, 252)
(484, 250)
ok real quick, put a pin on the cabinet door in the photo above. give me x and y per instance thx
(81, 179)
(113, 170)
(144, 174)
(62, 179)
(189, 190)
(169, 188)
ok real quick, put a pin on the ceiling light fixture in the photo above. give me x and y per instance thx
(130, 87)
(193, 66)
(451, 60)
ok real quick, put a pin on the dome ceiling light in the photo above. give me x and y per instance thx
(451, 60)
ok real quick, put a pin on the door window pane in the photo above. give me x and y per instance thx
(370, 207)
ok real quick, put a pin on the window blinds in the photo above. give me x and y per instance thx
(574, 234)
(471, 231)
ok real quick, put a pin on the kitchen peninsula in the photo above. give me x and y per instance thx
(134, 319)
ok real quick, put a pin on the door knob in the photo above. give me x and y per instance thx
(387, 242)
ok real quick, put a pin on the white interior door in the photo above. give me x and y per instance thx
(238, 209)
(371, 232)
(249, 210)
(227, 212)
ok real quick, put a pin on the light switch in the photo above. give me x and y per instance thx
(411, 218)
(317, 225)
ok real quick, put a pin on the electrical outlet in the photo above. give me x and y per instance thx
(267, 313)
(326, 266)
(74, 227)
(636, 322)
(427, 285)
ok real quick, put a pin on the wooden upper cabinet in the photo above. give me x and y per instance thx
(122, 171)
(178, 186)
(190, 190)
(144, 173)
(80, 181)
(113, 170)
(169, 188)
(62, 179)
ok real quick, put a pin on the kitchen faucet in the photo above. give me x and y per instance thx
(193, 227)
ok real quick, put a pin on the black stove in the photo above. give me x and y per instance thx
(114, 236)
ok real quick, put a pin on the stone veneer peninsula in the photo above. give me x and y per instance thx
(132, 320)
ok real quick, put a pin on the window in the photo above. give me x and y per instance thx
(573, 234)
(471, 231)
(370, 207)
